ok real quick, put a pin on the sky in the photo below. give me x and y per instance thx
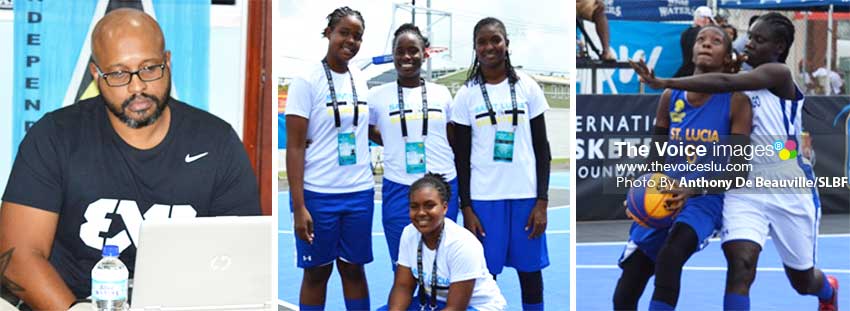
(539, 34)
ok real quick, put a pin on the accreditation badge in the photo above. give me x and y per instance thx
(503, 149)
(347, 148)
(414, 157)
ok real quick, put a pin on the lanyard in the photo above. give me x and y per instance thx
(490, 106)
(433, 301)
(424, 110)
(789, 125)
(335, 104)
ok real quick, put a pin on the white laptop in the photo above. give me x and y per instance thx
(205, 263)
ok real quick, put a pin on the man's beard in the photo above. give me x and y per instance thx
(120, 112)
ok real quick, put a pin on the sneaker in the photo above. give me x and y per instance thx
(832, 303)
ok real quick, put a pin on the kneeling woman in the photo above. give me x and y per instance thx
(444, 259)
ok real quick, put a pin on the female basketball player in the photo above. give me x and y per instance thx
(502, 160)
(728, 117)
(327, 163)
(409, 118)
(450, 270)
(789, 216)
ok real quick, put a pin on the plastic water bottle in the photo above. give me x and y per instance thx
(109, 281)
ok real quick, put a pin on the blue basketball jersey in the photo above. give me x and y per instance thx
(707, 125)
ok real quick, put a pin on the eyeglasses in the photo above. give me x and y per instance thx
(122, 78)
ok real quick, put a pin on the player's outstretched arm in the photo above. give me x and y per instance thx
(403, 287)
(26, 238)
(773, 76)
(296, 131)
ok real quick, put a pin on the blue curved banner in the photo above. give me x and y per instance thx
(811, 5)
(652, 10)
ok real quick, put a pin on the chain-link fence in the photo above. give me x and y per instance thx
(808, 53)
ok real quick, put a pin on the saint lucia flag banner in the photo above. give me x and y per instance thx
(53, 49)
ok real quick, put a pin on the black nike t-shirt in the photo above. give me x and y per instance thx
(72, 162)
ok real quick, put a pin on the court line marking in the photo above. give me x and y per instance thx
(622, 243)
(559, 207)
(699, 268)
(548, 232)
(287, 305)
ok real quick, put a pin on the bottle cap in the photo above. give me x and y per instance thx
(110, 251)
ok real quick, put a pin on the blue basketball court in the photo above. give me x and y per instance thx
(704, 277)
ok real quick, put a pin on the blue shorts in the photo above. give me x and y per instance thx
(702, 213)
(395, 210)
(506, 242)
(340, 221)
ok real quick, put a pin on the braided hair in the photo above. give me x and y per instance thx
(339, 14)
(782, 29)
(410, 28)
(474, 75)
(436, 181)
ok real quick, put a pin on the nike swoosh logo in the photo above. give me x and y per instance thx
(193, 158)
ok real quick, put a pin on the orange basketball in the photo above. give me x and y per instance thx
(645, 202)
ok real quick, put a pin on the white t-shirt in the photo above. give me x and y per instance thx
(492, 180)
(309, 97)
(460, 257)
(384, 114)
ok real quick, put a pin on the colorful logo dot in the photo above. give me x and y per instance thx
(784, 154)
(787, 150)
(791, 145)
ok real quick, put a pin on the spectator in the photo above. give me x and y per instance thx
(721, 19)
(702, 17)
(830, 81)
(730, 31)
(594, 10)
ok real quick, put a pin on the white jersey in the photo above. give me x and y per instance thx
(490, 179)
(384, 114)
(788, 214)
(775, 119)
(460, 257)
(309, 97)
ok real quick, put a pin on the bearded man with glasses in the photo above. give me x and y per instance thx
(87, 175)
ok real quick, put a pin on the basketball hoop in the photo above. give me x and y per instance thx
(435, 50)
